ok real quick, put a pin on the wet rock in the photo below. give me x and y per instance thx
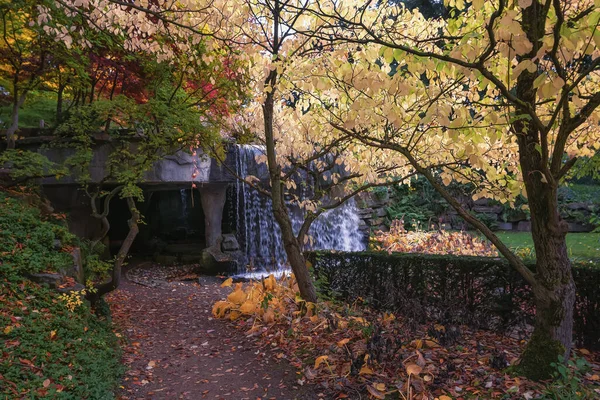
(229, 243)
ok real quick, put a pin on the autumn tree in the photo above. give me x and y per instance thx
(521, 106)
(148, 92)
(27, 54)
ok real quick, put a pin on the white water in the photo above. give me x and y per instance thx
(260, 235)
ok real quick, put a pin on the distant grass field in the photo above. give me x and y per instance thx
(582, 246)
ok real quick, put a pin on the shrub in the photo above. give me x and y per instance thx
(50, 349)
(30, 242)
(482, 292)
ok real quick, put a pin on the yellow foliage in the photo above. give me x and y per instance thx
(237, 297)
(268, 300)
(249, 307)
(220, 308)
(227, 282)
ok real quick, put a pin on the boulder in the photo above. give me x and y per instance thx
(505, 226)
(380, 212)
(229, 243)
(488, 209)
(576, 227)
(578, 206)
(524, 226)
(516, 216)
(78, 287)
(52, 280)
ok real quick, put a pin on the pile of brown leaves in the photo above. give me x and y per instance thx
(348, 351)
(432, 242)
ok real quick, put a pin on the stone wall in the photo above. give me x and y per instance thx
(372, 210)
(515, 220)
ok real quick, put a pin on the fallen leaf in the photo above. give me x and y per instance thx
(227, 282)
(46, 383)
(413, 369)
(375, 393)
(320, 360)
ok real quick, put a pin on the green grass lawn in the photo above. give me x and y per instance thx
(582, 246)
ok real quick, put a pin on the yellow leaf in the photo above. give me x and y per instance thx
(249, 307)
(269, 316)
(444, 397)
(237, 297)
(365, 370)
(7, 330)
(413, 369)
(320, 360)
(380, 386)
(52, 335)
(342, 342)
(220, 308)
(584, 352)
(227, 282)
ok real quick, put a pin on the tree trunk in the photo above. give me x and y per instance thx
(554, 293)
(290, 242)
(59, 102)
(295, 257)
(115, 281)
(14, 119)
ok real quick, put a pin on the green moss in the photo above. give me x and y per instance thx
(540, 353)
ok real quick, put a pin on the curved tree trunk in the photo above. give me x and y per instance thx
(290, 242)
(115, 280)
(18, 102)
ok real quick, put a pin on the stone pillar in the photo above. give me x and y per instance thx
(213, 199)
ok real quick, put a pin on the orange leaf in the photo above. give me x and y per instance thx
(320, 360)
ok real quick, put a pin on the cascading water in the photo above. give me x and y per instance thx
(259, 233)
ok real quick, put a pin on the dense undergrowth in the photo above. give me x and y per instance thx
(48, 350)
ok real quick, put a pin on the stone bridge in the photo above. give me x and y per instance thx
(189, 206)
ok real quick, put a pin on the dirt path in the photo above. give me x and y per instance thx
(176, 350)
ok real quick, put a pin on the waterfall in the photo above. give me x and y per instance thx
(259, 233)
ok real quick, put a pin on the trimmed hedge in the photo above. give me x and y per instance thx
(480, 292)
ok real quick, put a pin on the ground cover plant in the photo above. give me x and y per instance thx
(52, 345)
(350, 350)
